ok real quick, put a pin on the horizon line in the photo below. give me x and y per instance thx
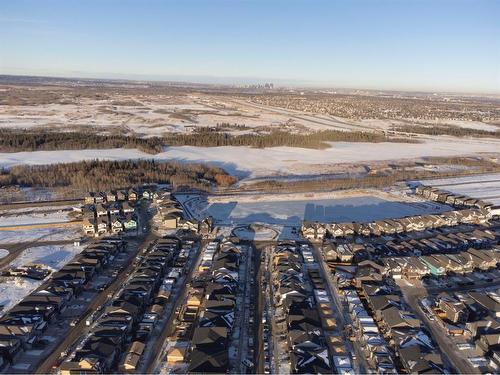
(211, 80)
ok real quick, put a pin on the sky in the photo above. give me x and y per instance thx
(428, 45)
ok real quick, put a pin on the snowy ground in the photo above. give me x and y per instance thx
(3, 253)
(39, 234)
(54, 256)
(290, 210)
(271, 161)
(34, 218)
(14, 289)
(483, 186)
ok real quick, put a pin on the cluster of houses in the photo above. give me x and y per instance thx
(118, 336)
(393, 339)
(24, 324)
(171, 216)
(315, 231)
(451, 199)
(474, 315)
(131, 195)
(462, 262)
(204, 324)
(113, 217)
(435, 241)
(303, 314)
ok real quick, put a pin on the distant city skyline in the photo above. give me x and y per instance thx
(421, 45)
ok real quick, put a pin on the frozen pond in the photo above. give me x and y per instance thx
(292, 212)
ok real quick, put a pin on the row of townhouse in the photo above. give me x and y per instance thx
(366, 331)
(315, 231)
(133, 194)
(446, 197)
(463, 262)
(297, 317)
(212, 336)
(405, 334)
(437, 241)
(23, 325)
(118, 336)
(474, 315)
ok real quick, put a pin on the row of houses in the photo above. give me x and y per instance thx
(209, 347)
(367, 333)
(23, 325)
(381, 314)
(114, 217)
(171, 216)
(187, 314)
(297, 318)
(436, 241)
(117, 338)
(133, 194)
(205, 322)
(446, 197)
(474, 315)
(315, 231)
(462, 262)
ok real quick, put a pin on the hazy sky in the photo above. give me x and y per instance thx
(388, 44)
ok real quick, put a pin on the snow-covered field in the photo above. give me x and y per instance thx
(482, 186)
(254, 162)
(14, 289)
(36, 234)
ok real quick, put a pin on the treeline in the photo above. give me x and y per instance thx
(29, 140)
(105, 175)
(12, 140)
(455, 131)
(317, 140)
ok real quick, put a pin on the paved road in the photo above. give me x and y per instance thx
(56, 202)
(76, 332)
(156, 359)
(453, 358)
(360, 364)
(312, 118)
